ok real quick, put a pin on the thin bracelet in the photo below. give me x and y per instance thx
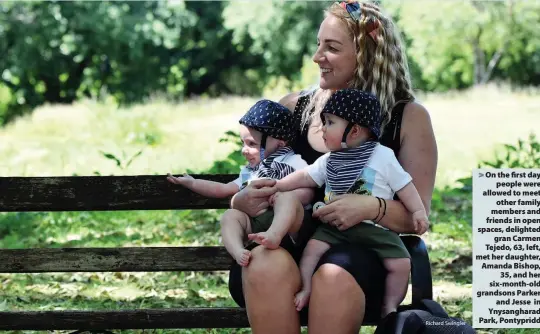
(380, 206)
(378, 213)
(384, 212)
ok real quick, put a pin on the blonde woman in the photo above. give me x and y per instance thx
(358, 47)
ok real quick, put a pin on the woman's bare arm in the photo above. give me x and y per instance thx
(290, 100)
(418, 156)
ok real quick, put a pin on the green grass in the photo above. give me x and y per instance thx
(63, 140)
(469, 125)
(67, 140)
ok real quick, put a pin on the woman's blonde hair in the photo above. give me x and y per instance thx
(381, 62)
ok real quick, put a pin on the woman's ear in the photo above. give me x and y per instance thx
(281, 143)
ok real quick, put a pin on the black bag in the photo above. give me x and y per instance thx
(426, 317)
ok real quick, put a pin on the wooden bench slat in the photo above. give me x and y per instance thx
(97, 193)
(125, 319)
(199, 317)
(145, 192)
(150, 259)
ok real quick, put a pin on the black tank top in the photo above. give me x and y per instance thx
(390, 137)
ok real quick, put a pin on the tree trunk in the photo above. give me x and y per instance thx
(483, 71)
(479, 58)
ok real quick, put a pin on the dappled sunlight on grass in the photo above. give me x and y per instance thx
(66, 140)
(109, 229)
(115, 290)
(63, 140)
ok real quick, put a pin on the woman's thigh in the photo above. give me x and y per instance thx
(235, 274)
(366, 268)
(361, 263)
(295, 249)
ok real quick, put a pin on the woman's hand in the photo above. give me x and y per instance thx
(347, 210)
(253, 199)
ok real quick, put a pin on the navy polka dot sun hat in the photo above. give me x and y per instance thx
(272, 119)
(356, 106)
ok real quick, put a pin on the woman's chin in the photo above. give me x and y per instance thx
(324, 83)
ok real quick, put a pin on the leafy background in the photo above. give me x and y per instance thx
(128, 88)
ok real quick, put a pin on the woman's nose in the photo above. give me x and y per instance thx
(317, 56)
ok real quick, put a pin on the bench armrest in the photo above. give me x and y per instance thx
(422, 286)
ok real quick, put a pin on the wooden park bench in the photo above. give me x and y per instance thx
(108, 193)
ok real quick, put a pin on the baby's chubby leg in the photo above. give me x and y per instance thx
(311, 256)
(396, 283)
(288, 217)
(235, 225)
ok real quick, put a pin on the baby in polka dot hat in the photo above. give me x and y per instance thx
(358, 164)
(266, 131)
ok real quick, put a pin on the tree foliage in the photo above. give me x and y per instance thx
(457, 45)
(56, 51)
(282, 31)
(60, 51)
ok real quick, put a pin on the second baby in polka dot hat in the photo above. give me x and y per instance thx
(357, 164)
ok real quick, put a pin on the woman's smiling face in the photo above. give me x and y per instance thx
(335, 55)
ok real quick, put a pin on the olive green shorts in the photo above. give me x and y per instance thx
(262, 222)
(387, 244)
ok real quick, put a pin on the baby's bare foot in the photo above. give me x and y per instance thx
(256, 237)
(301, 299)
(242, 257)
(267, 239)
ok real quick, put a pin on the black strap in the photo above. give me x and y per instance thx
(391, 136)
(345, 134)
(263, 146)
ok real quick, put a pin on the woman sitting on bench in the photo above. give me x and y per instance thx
(358, 47)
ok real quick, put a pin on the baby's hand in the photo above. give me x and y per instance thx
(272, 199)
(421, 222)
(185, 180)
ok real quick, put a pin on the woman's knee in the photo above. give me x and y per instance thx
(331, 277)
(270, 268)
